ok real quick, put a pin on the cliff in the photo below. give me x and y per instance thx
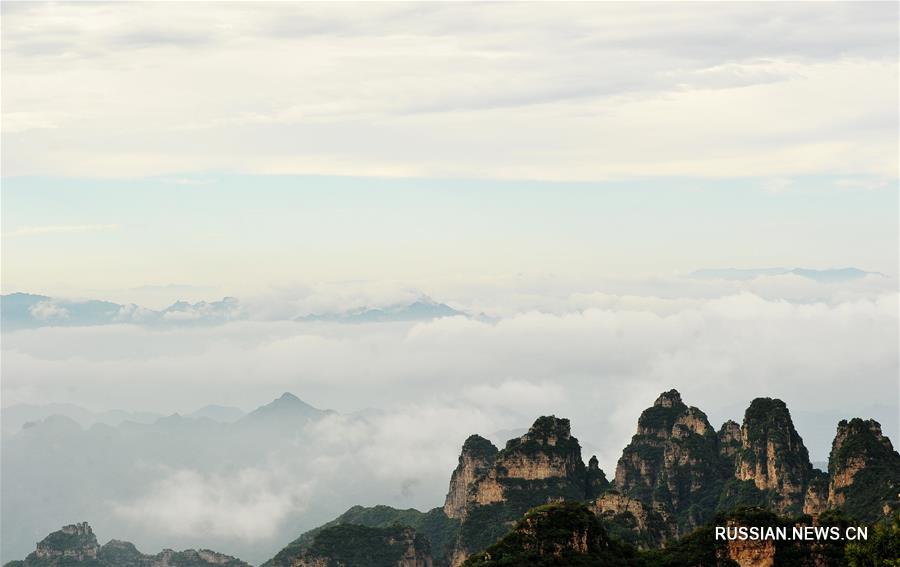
(864, 471)
(772, 455)
(542, 466)
(477, 456)
(673, 464)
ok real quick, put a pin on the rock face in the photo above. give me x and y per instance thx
(729, 439)
(864, 471)
(77, 544)
(672, 464)
(350, 545)
(633, 521)
(773, 456)
(542, 466)
(477, 457)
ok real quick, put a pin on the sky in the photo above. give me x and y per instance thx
(557, 172)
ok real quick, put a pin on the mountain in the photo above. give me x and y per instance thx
(224, 414)
(27, 311)
(112, 474)
(832, 275)
(288, 408)
(863, 471)
(535, 502)
(17, 416)
(673, 465)
(76, 544)
(773, 457)
(423, 309)
(542, 466)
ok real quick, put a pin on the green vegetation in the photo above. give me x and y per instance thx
(480, 448)
(563, 534)
(878, 483)
(433, 525)
(882, 549)
(351, 545)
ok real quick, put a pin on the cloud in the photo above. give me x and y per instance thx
(494, 91)
(48, 310)
(249, 505)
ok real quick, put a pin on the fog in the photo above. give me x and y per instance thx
(405, 395)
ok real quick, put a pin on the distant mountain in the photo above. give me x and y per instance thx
(14, 417)
(27, 311)
(55, 466)
(288, 408)
(420, 310)
(833, 275)
(224, 414)
(77, 545)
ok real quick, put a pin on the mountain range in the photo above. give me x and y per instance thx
(536, 502)
(29, 311)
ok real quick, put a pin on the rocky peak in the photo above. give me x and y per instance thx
(671, 462)
(864, 470)
(669, 399)
(596, 481)
(542, 466)
(547, 450)
(477, 457)
(75, 542)
(772, 454)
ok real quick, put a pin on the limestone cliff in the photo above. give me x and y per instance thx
(729, 439)
(542, 466)
(631, 520)
(864, 471)
(773, 456)
(475, 460)
(672, 464)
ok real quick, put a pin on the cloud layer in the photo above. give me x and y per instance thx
(583, 91)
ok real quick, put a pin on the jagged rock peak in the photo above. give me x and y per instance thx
(76, 541)
(773, 455)
(864, 471)
(669, 399)
(855, 427)
(671, 459)
(477, 456)
(547, 430)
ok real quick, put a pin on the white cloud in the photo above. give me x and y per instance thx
(587, 91)
(48, 310)
(249, 505)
